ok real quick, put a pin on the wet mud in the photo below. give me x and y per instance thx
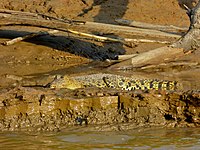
(24, 108)
(26, 69)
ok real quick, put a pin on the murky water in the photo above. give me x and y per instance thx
(142, 139)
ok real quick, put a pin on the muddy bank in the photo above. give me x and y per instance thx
(47, 53)
(42, 109)
(38, 108)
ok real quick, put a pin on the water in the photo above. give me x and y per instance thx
(141, 139)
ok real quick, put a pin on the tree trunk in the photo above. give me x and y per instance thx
(191, 40)
(187, 3)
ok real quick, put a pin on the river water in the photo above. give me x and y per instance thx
(140, 139)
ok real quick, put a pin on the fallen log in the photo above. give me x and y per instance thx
(152, 57)
(125, 41)
(10, 18)
(150, 26)
(117, 29)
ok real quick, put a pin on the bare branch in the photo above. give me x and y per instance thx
(31, 35)
(150, 26)
(30, 19)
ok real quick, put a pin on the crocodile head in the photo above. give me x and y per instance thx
(65, 82)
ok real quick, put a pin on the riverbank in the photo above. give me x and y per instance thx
(27, 67)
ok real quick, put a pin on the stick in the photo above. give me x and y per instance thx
(162, 65)
(149, 26)
(125, 57)
(146, 41)
(99, 38)
(31, 35)
(121, 40)
(116, 29)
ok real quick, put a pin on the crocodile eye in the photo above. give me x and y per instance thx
(122, 80)
(121, 83)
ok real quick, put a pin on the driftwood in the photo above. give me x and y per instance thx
(152, 57)
(117, 29)
(170, 64)
(9, 17)
(63, 25)
(145, 41)
(125, 41)
(121, 58)
(121, 40)
(189, 42)
(31, 35)
(150, 26)
(125, 57)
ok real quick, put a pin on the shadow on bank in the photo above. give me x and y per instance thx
(82, 47)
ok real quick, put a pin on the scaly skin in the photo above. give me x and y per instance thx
(66, 82)
(112, 81)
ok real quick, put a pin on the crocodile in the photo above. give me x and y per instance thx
(112, 81)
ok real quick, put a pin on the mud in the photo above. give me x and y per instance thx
(53, 110)
(27, 67)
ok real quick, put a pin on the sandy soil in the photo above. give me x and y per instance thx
(46, 54)
(39, 59)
